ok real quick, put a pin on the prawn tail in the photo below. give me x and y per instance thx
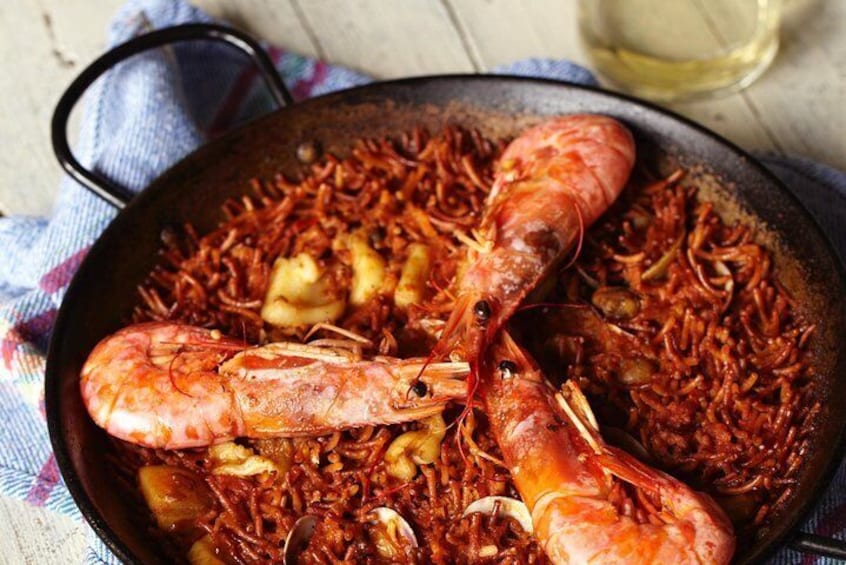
(615, 461)
(629, 469)
(676, 497)
(714, 532)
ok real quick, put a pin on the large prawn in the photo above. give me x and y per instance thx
(552, 181)
(568, 477)
(174, 386)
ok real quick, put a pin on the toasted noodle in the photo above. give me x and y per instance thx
(723, 395)
(732, 343)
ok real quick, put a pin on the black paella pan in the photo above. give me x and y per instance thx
(194, 189)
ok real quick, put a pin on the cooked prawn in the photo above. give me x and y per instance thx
(566, 475)
(552, 182)
(174, 386)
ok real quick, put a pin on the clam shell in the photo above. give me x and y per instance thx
(503, 506)
(298, 539)
(386, 515)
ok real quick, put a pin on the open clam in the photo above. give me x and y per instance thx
(391, 532)
(298, 538)
(502, 506)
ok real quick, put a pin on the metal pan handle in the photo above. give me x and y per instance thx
(819, 545)
(112, 193)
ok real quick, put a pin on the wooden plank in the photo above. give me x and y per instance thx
(387, 39)
(502, 31)
(35, 535)
(275, 21)
(801, 99)
(46, 42)
(730, 117)
(797, 104)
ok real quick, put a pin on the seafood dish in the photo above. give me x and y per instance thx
(443, 348)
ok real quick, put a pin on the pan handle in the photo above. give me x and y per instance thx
(819, 545)
(112, 193)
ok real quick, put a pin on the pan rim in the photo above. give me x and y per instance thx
(52, 379)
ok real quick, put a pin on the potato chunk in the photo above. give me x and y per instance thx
(300, 294)
(203, 553)
(368, 270)
(232, 459)
(415, 272)
(177, 497)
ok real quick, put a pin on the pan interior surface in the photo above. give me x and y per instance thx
(102, 295)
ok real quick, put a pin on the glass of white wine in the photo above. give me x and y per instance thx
(676, 49)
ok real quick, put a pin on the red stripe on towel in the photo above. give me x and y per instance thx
(47, 478)
(25, 331)
(59, 276)
(229, 110)
(305, 87)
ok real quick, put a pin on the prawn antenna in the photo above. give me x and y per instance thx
(578, 249)
(472, 387)
(459, 443)
(418, 378)
(447, 338)
(466, 430)
(170, 376)
(244, 332)
(527, 307)
(350, 335)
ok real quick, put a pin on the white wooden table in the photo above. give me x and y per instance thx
(797, 107)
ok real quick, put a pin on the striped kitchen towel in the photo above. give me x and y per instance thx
(145, 115)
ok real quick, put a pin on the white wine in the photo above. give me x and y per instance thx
(671, 49)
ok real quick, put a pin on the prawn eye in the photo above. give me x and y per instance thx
(419, 388)
(507, 368)
(482, 311)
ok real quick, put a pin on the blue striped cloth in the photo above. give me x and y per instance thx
(145, 115)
